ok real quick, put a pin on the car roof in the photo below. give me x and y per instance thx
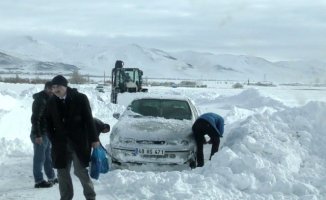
(165, 97)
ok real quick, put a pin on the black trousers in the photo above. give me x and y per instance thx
(200, 128)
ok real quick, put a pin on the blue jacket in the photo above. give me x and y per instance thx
(215, 120)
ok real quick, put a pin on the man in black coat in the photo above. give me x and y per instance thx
(73, 134)
(39, 137)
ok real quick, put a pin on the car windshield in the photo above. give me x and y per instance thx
(166, 108)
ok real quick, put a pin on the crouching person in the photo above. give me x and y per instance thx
(72, 133)
(212, 125)
(101, 127)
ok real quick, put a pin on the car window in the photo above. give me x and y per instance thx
(169, 109)
(146, 107)
(176, 109)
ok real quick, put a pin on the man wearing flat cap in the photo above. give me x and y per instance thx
(73, 134)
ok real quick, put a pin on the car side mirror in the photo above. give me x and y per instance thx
(116, 115)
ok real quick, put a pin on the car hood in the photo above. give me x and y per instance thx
(152, 128)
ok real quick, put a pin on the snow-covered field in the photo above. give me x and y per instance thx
(273, 148)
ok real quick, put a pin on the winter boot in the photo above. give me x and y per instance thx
(43, 184)
(53, 181)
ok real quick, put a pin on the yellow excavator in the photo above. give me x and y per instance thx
(125, 80)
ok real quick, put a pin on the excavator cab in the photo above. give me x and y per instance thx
(125, 80)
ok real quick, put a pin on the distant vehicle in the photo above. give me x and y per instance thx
(173, 85)
(154, 131)
(99, 88)
(125, 80)
(191, 84)
(237, 86)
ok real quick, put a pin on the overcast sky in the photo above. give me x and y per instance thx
(273, 29)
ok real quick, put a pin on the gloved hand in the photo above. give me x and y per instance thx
(204, 140)
(95, 144)
(38, 140)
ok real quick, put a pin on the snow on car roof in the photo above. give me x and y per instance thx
(172, 97)
(126, 98)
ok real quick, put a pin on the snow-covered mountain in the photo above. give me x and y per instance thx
(14, 64)
(94, 57)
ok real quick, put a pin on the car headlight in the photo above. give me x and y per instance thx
(185, 142)
(172, 142)
(176, 142)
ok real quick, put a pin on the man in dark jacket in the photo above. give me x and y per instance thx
(212, 125)
(72, 133)
(101, 127)
(39, 137)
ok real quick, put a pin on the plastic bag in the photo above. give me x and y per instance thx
(99, 162)
(105, 163)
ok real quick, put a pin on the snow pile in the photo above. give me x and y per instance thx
(15, 110)
(249, 99)
(270, 154)
(8, 100)
(15, 107)
(13, 148)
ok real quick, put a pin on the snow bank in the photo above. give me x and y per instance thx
(271, 153)
(249, 99)
(13, 148)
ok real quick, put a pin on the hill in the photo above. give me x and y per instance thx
(28, 54)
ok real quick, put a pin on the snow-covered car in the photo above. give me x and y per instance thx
(154, 131)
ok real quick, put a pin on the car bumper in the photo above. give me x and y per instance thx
(121, 156)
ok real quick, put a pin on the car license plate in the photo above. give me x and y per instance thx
(151, 152)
